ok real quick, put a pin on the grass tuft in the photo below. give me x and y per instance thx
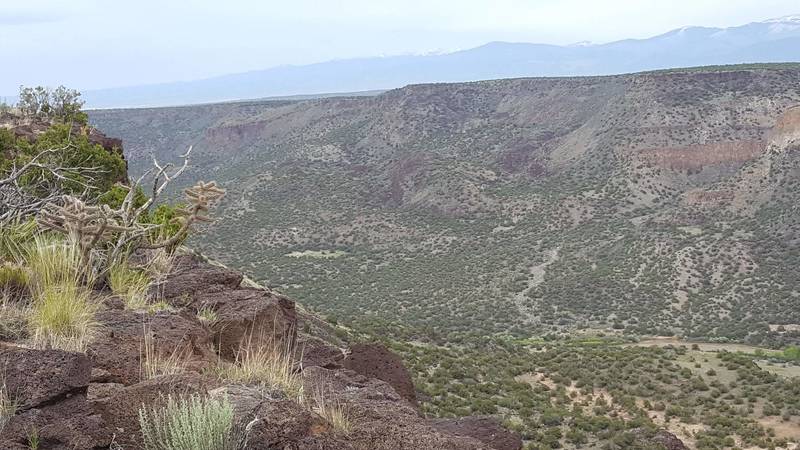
(268, 365)
(62, 316)
(7, 406)
(14, 237)
(154, 363)
(207, 316)
(159, 264)
(13, 319)
(157, 307)
(33, 438)
(332, 410)
(13, 280)
(130, 284)
(190, 423)
(53, 262)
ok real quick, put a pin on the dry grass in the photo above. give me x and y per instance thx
(160, 264)
(13, 306)
(268, 365)
(62, 317)
(7, 406)
(191, 423)
(130, 284)
(53, 262)
(14, 237)
(13, 319)
(153, 363)
(13, 280)
(332, 410)
(207, 316)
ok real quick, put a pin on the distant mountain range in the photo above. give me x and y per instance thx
(776, 40)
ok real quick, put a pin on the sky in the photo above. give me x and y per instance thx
(92, 44)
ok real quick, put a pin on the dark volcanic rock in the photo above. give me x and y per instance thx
(36, 377)
(375, 360)
(278, 422)
(669, 440)
(67, 424)
(119, 407)
(117, 351)
(245, 315)
(250, 316)
(380, 418)
(112, 145)
(49, 388)
(314, 352)
(192, 276)
(486, 429)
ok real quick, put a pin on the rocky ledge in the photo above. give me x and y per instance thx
(91, 400)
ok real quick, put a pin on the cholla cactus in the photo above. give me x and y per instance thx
(105, 235)
(86, 225)
(200, 198)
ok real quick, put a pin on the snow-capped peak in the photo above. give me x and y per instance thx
(794, 18)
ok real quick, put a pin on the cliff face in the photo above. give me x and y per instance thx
(644, 187)
(91, 400)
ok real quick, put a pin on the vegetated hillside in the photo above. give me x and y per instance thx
(654, 203)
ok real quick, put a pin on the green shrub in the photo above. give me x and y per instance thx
(193, 423)
(114, 197)
(72, 150)
(171, 218)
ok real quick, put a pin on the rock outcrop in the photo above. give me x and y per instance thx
(92, 400)
(117, 352)
(119, 406)
(244, 314)
(48, 389)
(30, 129)
(486, 429)
(377, 361)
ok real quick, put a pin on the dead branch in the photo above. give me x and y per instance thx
(105, 234)
(18, 199)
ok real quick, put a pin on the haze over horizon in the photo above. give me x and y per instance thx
(157, 42)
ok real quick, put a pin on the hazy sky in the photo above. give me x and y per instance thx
(90, 44)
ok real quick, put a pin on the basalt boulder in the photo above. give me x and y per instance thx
(37, 377)
(380, 418)
(48, 389)
(118, 352)
(191, 276)
(244, 315)
(274, 421)
(119, 406)
(376, 361)
(486, 429)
